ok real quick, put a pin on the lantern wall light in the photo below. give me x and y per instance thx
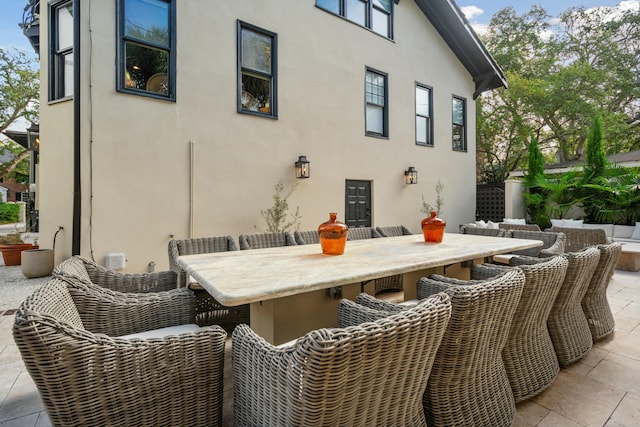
(411, 175)
(302, 168)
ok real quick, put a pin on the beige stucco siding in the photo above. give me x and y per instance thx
(138, 169)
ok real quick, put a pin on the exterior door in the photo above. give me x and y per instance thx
(357, 205)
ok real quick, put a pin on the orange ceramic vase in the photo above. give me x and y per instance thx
(433, 228)
(333, 235)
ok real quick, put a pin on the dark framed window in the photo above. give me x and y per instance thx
(147, 48)
(61, 50)
(257, 71)
(459, 129)
(424, 114)
(376, 103)
(376, 15)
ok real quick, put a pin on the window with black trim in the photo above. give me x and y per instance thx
(257, 71)
(376, 15)
(376, 100)
(424, 113)
(146, 48)
(61, 50)
(459, 113)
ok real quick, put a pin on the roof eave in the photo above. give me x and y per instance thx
(453, 27)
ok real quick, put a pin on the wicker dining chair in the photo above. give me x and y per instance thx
(88, 374)
(265, 240)
(388, 283)
(529, 356)
(552, 243)
(391, 231)
(369, 374)
(208, 310)
(594, 303)
(361, 233)
(88, 271)
(306, 237)
(493, 232)
(580, 238)
(568, 326)
(468, 384)
(526, 227)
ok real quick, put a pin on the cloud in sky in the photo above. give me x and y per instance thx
(471, 12)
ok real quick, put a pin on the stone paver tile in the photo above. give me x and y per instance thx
(624, 344)
(26, 421)
(622, 371)
(23, 399)
(553, 419)
(43, 420)
(627, 414)
(625, 324)
(529, 414)
(581, 399)
(631, 310)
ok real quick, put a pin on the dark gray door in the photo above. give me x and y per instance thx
(357, 205)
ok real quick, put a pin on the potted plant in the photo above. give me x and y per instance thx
(11, 247)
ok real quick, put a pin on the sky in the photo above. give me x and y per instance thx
(479, 12)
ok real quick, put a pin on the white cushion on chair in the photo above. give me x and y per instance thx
(163, 332)
(518, 221)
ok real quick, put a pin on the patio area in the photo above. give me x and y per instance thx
(602, 389)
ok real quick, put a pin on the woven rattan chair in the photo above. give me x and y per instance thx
(494, 232)
(468, 384)
(552, 243)
(208, 310)
(568, 326)
(529, 356)
(372, 374)
(361, 233)
(580, 238)
(94, 377)
(398, 230)
(306, 237)
(89, 271)
(526, 227)
(265, 240)
(595, 304)
(388, 283)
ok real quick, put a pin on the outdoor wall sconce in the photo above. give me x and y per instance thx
(302, 167)
(411, 175)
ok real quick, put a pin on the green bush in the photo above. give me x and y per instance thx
(9, 212)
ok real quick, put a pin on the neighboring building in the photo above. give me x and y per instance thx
(162, 118)
(630, 159)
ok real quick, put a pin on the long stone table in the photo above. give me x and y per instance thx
(295, 289)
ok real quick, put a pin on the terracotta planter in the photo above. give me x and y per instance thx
(37, 263)
(11, 253)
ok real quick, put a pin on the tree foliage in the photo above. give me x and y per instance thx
(560, 74)
(19, 94)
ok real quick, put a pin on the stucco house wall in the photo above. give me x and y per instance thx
(140, 155)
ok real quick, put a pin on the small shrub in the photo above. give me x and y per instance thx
(9, 212)
(277, 217)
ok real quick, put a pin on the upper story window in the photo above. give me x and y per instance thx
(459, 130)
(374, 14)
(146, 48)
(61, 50)
(424, 112)
(376, 100)
(257, 71)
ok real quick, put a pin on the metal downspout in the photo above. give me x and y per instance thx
(77, 194)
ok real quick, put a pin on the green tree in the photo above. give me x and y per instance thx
(595, 168)
(560, 74)
(19, 94)
(536, 195)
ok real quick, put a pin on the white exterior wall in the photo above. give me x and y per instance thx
(136, 184)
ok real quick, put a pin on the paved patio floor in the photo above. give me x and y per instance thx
(602, 389)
